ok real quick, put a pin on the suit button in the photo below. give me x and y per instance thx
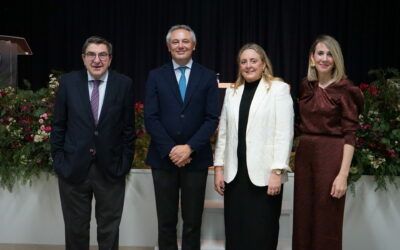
(178, 133)
(96, 133)
(182, 116)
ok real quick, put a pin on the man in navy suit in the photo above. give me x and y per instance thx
(92, 143)
(181, 113)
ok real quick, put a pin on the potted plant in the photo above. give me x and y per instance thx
(378, 139)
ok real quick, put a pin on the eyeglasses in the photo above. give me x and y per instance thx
(102, 56)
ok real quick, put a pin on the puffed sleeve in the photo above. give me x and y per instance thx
(352, 105)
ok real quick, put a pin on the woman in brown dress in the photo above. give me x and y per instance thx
(329, 106)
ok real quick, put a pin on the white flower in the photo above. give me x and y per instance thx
(38, 138)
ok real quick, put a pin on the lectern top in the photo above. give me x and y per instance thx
(22, 46)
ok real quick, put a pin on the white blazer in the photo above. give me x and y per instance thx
(269, 133)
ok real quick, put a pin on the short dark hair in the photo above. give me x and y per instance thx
(97, 40)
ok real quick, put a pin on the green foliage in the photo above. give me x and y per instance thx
(378, 140)
(25, 126)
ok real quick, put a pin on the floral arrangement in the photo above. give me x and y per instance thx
(378, 140)
(142, 140)
(25, 127)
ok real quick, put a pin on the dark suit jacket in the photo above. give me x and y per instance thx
(171, 122)
(74, 135)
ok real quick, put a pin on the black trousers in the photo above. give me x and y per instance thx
(167, 184)
(251, 215)
(76, 203)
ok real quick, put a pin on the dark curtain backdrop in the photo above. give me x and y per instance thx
(368, 32)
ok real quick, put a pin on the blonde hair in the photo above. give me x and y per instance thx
(267, 73)
(338, 72)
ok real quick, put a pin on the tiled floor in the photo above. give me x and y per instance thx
(56, 247)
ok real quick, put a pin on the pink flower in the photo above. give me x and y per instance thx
(44, 116)
(366, 126)
(24, 108)
(41, 121)
(47, 128)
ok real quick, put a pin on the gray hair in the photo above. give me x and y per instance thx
(97, 40)
(178, 27)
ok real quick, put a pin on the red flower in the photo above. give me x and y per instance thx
(28, 138)
(373, 91)
(363, 86)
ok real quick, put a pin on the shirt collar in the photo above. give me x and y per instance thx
(188, 65)
(103, 78)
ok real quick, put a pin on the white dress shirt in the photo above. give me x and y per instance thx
(178, 72)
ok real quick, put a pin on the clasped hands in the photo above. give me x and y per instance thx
(180, 155)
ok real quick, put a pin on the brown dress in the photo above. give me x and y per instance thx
(328, 120)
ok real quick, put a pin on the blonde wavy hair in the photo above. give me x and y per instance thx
(338, 72)
(267, 73)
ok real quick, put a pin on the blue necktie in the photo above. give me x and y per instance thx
(182, 82)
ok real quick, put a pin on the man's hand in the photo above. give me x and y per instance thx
(180, 155)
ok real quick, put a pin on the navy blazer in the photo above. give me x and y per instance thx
(171, 121)
(74, 135)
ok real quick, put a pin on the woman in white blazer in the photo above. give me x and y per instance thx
(252, 152)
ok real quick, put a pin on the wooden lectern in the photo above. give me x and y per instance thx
(10, 48)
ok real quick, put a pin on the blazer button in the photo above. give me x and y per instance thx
(182, 116)
(96, 133)
(178, 133)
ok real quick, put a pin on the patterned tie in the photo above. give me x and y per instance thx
(94, 100)
(182, 82)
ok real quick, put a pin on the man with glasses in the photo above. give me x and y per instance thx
(181, 113)
(92, 143)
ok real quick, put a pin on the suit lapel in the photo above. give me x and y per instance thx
(236, 98)
(109, 95)
(169, 75)
(83, 90)
(258, 100)
(193, 83)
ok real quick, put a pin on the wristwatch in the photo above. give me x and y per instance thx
(277, 171)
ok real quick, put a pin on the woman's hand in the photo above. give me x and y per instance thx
(274, 184)
(339, 186)
(219, 183)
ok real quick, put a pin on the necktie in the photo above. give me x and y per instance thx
(182, 82)
(94, 100)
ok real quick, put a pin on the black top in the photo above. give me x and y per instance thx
(244, 108)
